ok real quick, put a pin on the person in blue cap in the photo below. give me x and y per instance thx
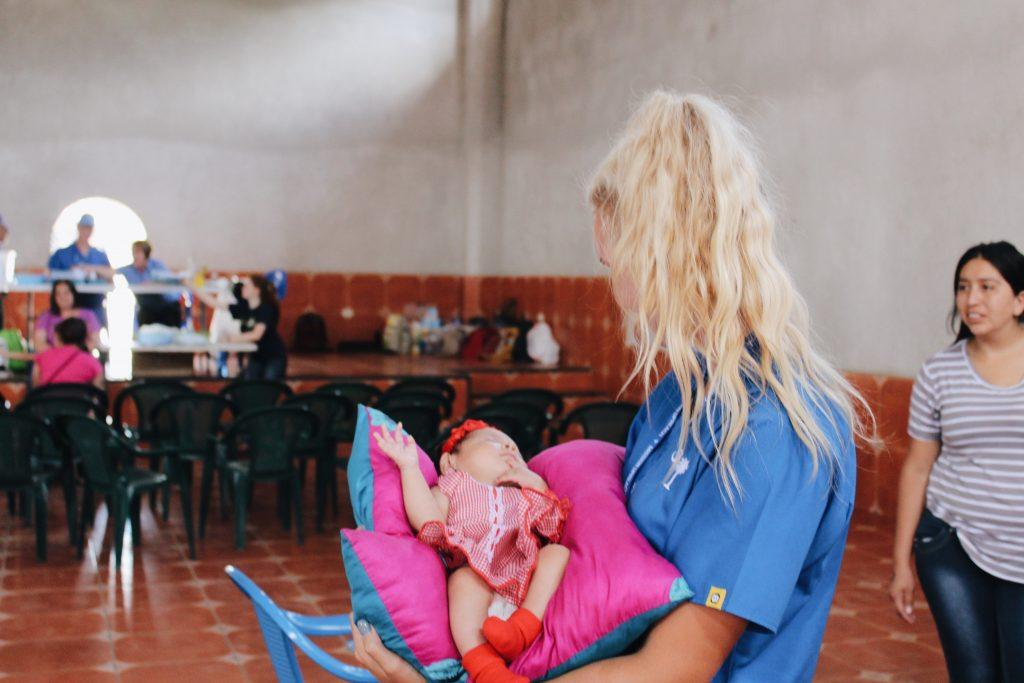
(740, 467)
(80, 255)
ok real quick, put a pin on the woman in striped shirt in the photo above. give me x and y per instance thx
(961, 495)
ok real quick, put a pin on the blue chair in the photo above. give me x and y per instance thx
(283, 629)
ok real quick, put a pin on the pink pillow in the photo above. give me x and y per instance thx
(615, 586)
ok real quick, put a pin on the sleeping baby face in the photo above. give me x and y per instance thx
(485, 455)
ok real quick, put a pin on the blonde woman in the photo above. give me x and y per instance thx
(740, 466)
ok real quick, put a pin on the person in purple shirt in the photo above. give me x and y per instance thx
(64, 304)
(82, 256)
(153, 308)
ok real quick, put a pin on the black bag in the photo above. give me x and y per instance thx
(310, 333)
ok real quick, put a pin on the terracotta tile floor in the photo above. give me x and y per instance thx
(164, 617)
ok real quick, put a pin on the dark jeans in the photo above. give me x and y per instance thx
(980, 618)
(265, 368)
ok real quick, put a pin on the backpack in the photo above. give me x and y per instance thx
(310, 333)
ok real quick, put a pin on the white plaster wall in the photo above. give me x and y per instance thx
(892, 130)
(308, 134)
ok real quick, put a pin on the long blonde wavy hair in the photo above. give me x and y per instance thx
(684, 220)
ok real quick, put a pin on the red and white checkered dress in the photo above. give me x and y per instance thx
(494, 529)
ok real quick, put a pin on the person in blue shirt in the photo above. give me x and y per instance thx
(153, 308)
(80, 255)
(740, 465)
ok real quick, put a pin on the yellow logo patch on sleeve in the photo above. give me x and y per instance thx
(716, 598)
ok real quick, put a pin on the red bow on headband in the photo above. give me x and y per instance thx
(461, 432)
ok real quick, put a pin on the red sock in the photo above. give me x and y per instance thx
(485, 665)
(511, 637)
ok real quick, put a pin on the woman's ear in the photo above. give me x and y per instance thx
(446, 463)
(1018, 304)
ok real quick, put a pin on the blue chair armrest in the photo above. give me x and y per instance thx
(335, 625)
(291, 625)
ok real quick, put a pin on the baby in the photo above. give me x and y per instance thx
(484, 516)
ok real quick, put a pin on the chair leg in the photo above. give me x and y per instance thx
(70, 503)
(283, 505)
(135, 508)
(154, 466)
(170, 469)
(242, 485)
(297, 502)
(205, 486)
(120, 509)
(40, 511)
(319, 492)
(225, 493)
(87, 516)
(186, 513)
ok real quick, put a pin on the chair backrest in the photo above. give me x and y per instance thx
(95, 445)
(436, 401)
(357, 392)
(48, 408)
(603, 421)
(427, 385)
(525, 423)
(420, 422)
(21, 438)
(144, 397)
(253, 394)
(192, 421)
(333, 413)
(87, 392)
(550, 402)
(283, 630)
(269, 437)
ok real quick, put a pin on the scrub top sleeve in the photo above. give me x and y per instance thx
(103, 260)
(745, 559)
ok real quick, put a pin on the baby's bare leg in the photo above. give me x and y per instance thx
(468, 599)
(551, 563)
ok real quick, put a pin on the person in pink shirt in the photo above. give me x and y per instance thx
(68, 361)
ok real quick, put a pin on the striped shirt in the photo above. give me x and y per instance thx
(977, 483)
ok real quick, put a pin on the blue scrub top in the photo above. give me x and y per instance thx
(155, 270)
(69, 257)
(773, 558)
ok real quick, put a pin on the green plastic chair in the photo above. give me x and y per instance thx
(21, 473)
(107, 466)
(254, 394)
(262, 446)
(194, 423)
(54, 452)
(322, 447)
(356, 392)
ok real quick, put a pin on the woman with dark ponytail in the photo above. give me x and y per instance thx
(260, 316)
(961, 495)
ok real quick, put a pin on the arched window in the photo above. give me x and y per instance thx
(117, 227)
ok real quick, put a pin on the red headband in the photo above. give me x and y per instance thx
(461, 432)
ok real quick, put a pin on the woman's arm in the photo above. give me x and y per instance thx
(253, 335)
(39, 343)
(98, 381)
(709, 636)
(35, 374)
(913, 481)
(209, 300)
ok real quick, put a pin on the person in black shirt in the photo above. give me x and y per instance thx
(259, 312)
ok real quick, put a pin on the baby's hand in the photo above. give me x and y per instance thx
(399, 447)
(522, 476)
